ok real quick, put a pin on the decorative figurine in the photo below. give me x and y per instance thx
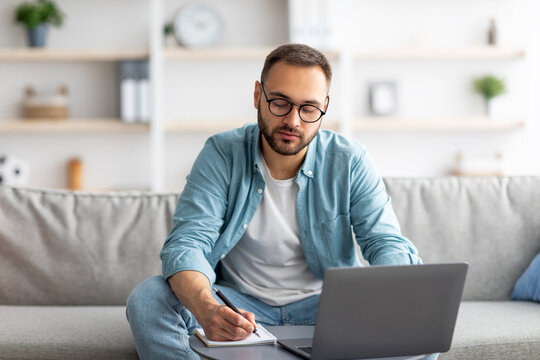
(492, 32)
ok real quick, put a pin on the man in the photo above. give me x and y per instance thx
(266, 210)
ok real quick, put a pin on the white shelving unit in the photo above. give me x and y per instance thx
(71, 125)
(157, 122)
(160, 124)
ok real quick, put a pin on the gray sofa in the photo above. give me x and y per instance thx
(68, 261)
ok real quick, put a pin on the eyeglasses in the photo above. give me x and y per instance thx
(281, 107)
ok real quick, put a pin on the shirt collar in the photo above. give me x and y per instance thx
(254, 148)
(308, 167)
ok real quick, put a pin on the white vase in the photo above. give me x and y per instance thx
(489, 107)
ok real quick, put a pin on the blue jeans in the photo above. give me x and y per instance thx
(161, 325)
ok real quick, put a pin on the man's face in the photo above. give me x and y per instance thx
(289, 135)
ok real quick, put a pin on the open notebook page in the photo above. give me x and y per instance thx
(265, 338)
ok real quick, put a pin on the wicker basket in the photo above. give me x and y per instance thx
(46, 112)
(46, 107)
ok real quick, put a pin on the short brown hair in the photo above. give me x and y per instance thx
(297, 54)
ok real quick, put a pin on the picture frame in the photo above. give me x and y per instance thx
(383, 98)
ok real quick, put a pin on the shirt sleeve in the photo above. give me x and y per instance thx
(199, 215)
(374, 222)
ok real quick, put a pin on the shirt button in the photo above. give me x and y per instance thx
(310, 172)
(260, 191)
(244, 226)
(222, 257)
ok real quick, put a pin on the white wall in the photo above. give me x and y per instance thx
(223, 89)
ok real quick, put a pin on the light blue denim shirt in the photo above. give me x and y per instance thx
(338, 189)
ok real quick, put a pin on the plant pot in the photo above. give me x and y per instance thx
(38, 35)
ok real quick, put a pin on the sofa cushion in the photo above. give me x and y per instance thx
(68, 248)
(490, 222)
(528, 285)
(70, 332)
(496, 330)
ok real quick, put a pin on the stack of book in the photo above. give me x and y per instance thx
(134, 91)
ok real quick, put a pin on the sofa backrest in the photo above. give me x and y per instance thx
(493, 223)
(64, 248)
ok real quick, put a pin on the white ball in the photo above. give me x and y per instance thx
(13, 171)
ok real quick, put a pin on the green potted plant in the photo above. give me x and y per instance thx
(489, 87)
(36, 16)
(168, 33)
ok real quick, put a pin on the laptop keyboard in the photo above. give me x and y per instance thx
(306, 349)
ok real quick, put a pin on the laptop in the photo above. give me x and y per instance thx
(384, 311)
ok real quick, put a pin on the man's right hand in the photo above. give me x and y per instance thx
(219, 322)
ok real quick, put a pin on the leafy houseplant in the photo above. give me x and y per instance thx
(168, 33)
(36, 16)
(489, 87)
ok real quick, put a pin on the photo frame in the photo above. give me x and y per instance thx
(383, 98)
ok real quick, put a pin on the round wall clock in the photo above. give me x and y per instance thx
(197, 24)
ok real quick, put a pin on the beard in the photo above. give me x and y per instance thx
(282, 146)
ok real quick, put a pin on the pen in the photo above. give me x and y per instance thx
(231, 306)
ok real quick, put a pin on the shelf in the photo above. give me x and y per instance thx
(100, 125)
(217, 125)
(201, 126)
(434, 53)
(70, 126)
(226, 53)
(29, 54)
(437, 124)
(259, 53)
(363, 124)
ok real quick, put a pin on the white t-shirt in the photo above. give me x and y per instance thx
(268, 262)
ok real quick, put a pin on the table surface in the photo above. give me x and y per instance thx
(264, 352)
(255, 352)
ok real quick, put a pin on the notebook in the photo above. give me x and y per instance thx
(265, 338)
(384, 311)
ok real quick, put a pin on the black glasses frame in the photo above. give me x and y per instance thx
(269, 101)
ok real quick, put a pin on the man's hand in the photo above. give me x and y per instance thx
(220, 323)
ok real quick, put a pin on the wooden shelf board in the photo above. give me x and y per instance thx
(218, 125)
(438, 124)
(483, 52)
(226, 53)
(363, 124)
(45, 54)
(259, 53)
(101, 125)
(203, 126)
(78, 125)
